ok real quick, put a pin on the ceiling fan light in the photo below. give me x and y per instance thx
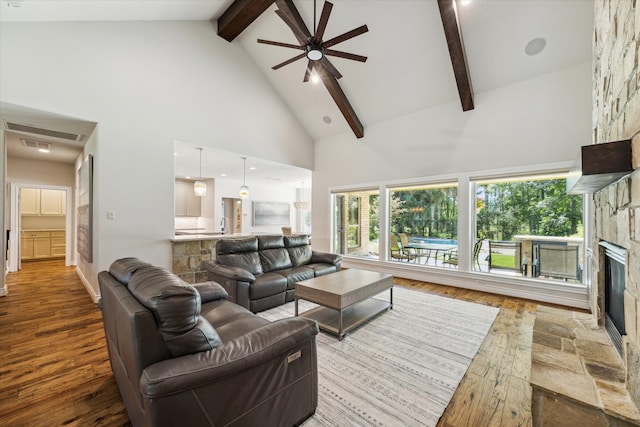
(314, 54)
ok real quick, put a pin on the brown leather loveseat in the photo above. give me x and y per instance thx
(260, 272)
(184, 355)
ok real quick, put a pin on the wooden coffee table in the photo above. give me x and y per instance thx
(345, 299)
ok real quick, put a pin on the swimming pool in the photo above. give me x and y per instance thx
(434, 240)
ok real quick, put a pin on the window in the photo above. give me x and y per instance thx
(356, 223)
(529, 223)
(424, 220)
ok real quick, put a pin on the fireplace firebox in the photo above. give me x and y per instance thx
(614, 285)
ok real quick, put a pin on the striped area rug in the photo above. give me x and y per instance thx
(402, 367)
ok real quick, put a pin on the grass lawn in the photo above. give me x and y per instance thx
(503, 261)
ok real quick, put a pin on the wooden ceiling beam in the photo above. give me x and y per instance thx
(451, 24)
(341, 101)
(239, 16)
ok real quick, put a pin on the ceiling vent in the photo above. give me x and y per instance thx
(44, 132)
(38, 145)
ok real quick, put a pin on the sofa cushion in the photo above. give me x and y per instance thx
(321, 268)
(300, 255)
(296, 274)
(268, 284)
(295, 241)
(249, 261)
(275, 259)
(122, 269)
(176, 306)
(270, 242)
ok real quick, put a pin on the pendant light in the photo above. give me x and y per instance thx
(200, 187)
(302, 205)
(244, 190)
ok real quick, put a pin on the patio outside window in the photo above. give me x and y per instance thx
(423, 222)
(528, 226)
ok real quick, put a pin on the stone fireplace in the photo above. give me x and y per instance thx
(616, 208)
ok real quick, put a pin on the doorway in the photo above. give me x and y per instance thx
(232, 215)
(40, 224)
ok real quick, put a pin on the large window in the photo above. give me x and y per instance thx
(529, 226)
(356, 223)
(423, 224)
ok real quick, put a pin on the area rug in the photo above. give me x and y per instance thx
(402, 367)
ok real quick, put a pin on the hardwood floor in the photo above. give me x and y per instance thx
(54, 368)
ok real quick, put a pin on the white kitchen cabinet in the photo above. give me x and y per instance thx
(186, 201)
(35, 245)
(36, 201)
(52, 202)
(30, 201)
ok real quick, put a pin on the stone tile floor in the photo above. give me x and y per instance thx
(577, 377)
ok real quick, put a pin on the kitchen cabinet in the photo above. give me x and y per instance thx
(58, 244)
(186, 202)
(42, 244)
(53, 202)
(30, 201)
(37, 201)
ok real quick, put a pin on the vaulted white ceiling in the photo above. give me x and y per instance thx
(408, 67)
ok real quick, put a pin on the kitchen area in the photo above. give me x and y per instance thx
(216, 194)
(42, 224)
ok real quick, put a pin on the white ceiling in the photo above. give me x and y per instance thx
(408, 67)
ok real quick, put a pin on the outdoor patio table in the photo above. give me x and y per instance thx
(430, 248)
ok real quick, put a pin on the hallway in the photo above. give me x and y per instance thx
(54, 364)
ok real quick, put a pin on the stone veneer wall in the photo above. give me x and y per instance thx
(616, 116)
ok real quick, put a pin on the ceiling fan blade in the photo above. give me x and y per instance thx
(330, 68)
(346, 36)
(345, 55)
(289, 61)
(308, 71)
(300, 35)
(324, 19)
(292, 46)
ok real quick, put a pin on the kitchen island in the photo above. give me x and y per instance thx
(189, 251)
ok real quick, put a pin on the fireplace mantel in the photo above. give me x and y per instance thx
(600, 165)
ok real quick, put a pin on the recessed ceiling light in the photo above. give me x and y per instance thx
(465, 2)
(535, 46)
(252, 168)
(223, 174)
(327, 119)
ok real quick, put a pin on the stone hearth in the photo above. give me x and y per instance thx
(577, 376)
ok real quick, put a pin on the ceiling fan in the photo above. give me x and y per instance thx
(315, 49)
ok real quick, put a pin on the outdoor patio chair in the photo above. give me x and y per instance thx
(505, 255)
(558, 261)
(404, 242)
(451, 257)
(397, 251)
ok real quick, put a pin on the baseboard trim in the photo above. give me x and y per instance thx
(95, 297)
(569, 295)
(4, 290)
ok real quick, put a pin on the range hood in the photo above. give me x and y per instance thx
(599, 165)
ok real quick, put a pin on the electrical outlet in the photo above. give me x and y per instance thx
(111, 215)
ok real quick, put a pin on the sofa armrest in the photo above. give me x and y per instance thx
(210, 291)
(328, 258)
(228, 272)
(184, 373)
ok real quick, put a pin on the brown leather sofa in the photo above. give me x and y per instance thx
(260, 272)
(183, 355)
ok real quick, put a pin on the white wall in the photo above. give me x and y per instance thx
(28, 171)
(538, 121)
(146, 84)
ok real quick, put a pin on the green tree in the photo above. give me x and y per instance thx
(539, 207)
